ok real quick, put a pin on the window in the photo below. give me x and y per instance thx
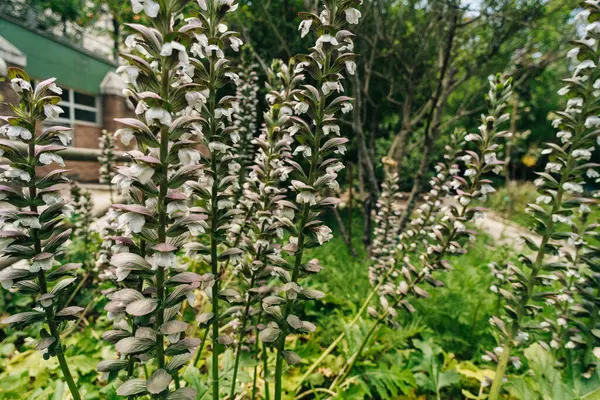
(79, 108)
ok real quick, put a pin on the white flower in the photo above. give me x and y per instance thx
(129, 73)
(304, 27)
(570, 345)
(522, 337)
(15, 132)
(347, 107)
(235, 43)
(18, 85)
(543, 199)
(572, 187)
(48, 158)
(163, 259)
(217, 146)
(563, 91)
(188, 156)
(125, 135)
(582, 154)
(52, 111)
(305, 150)
(29, 221)
(564, 136)
(141, 173)
(167, 50)
(323, 233)
(175, 208)
(150, 7)
(487, 188)
(592, 173)
(51, 198)
(553, 167)
(327, 129)
(592, 122)
(352, 15)
(43, 264)
(459, 226)
(160, 114)
(12, 172)
(135, 222)
(306, 197)
(471, 136)
(141, 107)
(64, 137)
(586, 64)
(202, 4)
(331, 86)
(326, 39)
(573, 53)
(350, 67)
(301, 107)
(195, 99)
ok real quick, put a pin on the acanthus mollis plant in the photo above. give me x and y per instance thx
(315, 167)
(82, 217)
(245, 118)
(107, 160)
(33, 229)
(573, 328)
(264, 191)
(560, 184)
(387, 219)
(157, 222)
(425, 217)
(108, 232)
(212, 112)
(448, 236)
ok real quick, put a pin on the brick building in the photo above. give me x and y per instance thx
(92, 91)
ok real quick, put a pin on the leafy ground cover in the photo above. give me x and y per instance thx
(433, 353)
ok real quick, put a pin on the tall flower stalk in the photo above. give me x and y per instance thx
(106, 159)
(318, 146)
(447, 235)
(246, 116)
(386, 266)
(33, 230)
(265, 191)
(219, 179)
(563, 177)
(157, 222)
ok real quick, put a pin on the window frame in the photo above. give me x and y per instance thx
(72, 106)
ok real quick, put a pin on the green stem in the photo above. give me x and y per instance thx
(265, 357)
(303, 221)
(37, 244)
(365, 304)
(162, 220)
(199, 353)
(214, 242)
(238, 350)
(255, 375)
(535, 268)
(345, 371)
